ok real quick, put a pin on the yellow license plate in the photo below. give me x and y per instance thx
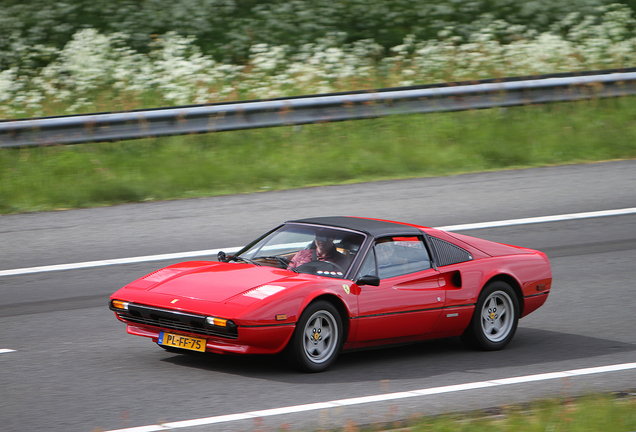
(180, 341)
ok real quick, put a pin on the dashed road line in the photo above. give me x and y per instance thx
(213, 252)
(6, 350)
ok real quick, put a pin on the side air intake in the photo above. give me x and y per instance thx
(447, 253)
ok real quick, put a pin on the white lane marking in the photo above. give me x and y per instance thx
(6, 350)
(377, 398)
(213, 252)
(132, 260)
(540, 219)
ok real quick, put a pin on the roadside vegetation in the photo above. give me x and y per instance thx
(593, 413)
(37, 179)
(84, 56)
(80, 56)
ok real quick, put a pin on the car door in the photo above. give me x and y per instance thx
(409, 299)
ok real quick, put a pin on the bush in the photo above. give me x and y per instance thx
(100, 71)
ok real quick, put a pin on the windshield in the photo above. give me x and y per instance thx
(311, 249)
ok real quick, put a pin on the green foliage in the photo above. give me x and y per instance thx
(590, 413)
(331, 153)
(81, 56)
(226, 29)
(97, 71)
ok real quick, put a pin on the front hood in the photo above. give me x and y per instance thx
(212, 282)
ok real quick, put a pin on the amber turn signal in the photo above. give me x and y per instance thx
(118, 304)
(216, 321)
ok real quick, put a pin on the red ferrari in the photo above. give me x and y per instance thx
(314, 287)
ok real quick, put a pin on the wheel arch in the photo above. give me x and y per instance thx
(340, 307)
(514, 284)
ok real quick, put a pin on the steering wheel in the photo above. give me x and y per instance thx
(316, 266)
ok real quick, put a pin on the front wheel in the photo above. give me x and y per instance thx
(317, 340)
(495, 319)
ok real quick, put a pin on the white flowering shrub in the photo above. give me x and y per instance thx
(182, 74)
(227, 29)
(9, 85)
(95, 71)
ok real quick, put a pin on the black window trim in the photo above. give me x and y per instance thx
(434, 251)
(422, 236)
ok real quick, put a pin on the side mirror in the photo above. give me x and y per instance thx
(368, 280)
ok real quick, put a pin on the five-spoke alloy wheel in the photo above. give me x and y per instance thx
(317, 339)
(495, 319)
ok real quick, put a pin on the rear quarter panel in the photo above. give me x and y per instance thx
(526, 269)
(530, 275)
(524, 272)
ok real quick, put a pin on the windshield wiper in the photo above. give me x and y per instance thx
(282, 260)
(247, 260)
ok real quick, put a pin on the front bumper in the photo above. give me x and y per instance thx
(148, 321)
(251, 340)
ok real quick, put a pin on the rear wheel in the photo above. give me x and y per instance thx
(317, 340)
(495, 319)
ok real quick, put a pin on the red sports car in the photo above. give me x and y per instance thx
(314, 287)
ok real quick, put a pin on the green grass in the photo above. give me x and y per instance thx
(38, 179)
(591, 413)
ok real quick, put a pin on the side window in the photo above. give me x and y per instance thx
(368, 266)
(401, 255)
(448, 253)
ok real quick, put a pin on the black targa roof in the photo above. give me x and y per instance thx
(373, 227)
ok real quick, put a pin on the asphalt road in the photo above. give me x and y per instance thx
(74, 368)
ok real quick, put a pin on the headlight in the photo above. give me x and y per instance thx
(118, 304)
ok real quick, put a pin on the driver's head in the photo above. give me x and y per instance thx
(324, 241)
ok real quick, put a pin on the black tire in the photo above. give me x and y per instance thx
(495, 318)
(318, 337)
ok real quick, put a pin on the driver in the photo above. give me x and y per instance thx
(324, 250)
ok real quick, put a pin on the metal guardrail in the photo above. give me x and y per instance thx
(101, 127)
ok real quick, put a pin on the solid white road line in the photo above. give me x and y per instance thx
(541, 219)
(377, 398)
(6, 350)
(102, 263)
(213, 252)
